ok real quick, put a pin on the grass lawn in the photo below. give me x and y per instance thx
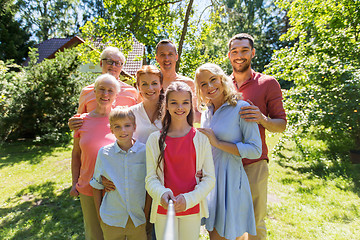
(305, 201)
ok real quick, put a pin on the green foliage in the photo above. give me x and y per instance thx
(39, 100)
(207, 33)
(324, 66)
(50, 18)
(262, 19)
(14, 40)
(145, 20)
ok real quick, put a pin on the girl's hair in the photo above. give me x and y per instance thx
(110, 77)
(230, 93)
(152, 70)
(121, 112)
(166, 117)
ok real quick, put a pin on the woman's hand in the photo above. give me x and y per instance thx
(211, 135)
(180, 203)
(74, 192)
(165, 199)
(108, 184)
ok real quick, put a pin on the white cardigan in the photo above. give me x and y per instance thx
(155, 179)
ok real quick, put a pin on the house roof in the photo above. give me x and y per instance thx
(134, 59)
(48, 48)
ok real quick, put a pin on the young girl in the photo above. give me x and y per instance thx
(230, 203)
(173, 155)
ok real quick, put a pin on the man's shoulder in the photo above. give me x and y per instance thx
(88, 88)
(126, 86)
(263, 78)
(184, 79)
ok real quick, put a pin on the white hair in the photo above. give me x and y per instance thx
(110, 77)
(112, 50)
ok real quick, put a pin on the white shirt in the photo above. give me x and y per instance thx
(127, 171)
(144, 127)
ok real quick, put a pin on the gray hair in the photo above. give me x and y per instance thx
(110, 77)
(112, 50)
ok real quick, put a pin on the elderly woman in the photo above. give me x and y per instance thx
(93, 134)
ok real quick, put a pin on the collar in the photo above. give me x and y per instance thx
(235, 83)
(211, 107)
(135, 147)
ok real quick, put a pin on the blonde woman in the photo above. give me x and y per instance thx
(231, 211)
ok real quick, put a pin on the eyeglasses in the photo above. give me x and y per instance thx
(112, 62)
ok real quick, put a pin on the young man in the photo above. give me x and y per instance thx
(264, 95)
(111, 61)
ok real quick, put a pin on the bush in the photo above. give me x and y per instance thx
(39, 100)
(324, 66)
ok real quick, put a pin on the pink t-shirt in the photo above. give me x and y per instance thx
(94, 134)
(180, 168)
(127, 96)
(265, 92)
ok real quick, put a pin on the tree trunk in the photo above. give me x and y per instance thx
(183, 34)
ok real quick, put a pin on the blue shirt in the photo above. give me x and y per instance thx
(230, 203)
(127, 170)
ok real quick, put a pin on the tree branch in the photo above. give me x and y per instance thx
(153, 7)
(183, 34)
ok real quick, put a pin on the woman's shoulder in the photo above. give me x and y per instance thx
(199, 135)
(242, 103)
(137, 107)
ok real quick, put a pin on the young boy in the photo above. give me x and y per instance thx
(121, 212)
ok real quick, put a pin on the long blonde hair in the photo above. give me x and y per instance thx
(230, 94)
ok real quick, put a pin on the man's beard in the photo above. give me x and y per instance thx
(243, 68)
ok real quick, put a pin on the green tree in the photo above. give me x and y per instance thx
(14, 40)
(324, 65)
(50, 18)
(38, 101)
(262, 19)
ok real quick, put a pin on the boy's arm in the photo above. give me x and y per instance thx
(97, 200)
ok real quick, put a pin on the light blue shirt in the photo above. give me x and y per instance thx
(127, 170)
(230, 203)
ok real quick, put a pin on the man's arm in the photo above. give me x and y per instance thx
(252, 113)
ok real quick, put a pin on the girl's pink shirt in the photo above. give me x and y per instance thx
(180, 168)
(94, 134)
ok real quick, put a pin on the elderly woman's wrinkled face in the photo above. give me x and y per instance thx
(105, 92)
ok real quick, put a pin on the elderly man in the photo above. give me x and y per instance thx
(111, 61)
(266, 109)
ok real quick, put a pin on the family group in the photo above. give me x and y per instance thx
(135, 149)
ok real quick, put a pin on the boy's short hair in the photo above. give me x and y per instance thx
(121, 112)
(241, 36)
